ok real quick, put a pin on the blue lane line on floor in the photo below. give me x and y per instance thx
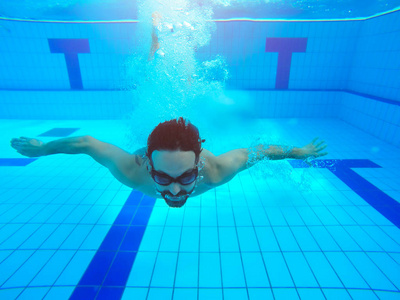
(108, 272)
(382, 202)
(59, 132)
(16, 162)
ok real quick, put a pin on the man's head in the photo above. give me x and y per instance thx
(173, 149)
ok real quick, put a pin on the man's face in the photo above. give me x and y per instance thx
(174, 164)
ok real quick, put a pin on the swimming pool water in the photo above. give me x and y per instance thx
(281, 230)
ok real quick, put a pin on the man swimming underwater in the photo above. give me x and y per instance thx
(173, 165)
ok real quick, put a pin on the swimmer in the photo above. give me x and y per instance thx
(174, 165)
(155, 45)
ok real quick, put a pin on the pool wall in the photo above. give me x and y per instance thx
(291, 69)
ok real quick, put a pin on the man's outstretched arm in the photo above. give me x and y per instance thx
(36, 148)
(274, 152)
(120, 163)
(227, 165)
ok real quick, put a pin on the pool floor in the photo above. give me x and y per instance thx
(69, 230)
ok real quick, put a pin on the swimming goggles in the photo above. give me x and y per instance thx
(185, 179)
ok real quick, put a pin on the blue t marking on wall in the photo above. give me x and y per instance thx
(285, 47)
(71, 48)
(383, 203)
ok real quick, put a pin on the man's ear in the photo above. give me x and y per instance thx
(149, 164)
(200, 162)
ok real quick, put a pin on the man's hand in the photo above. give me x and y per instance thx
(28, 147)
(312, 149)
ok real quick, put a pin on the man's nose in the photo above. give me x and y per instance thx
(174, 188)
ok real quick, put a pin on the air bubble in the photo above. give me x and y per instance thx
(173, 82)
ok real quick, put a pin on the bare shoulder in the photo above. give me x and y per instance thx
(125, 167)
(139, 162)
(139, 157)
(208, 157)
(206, 153)
(222, 168)
(209, 172)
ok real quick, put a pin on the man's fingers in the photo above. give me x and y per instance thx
(13, 141)
(16, 140)
(20, 141)
(322, 148)
(16, 144)
(22, 138)
(314, 140)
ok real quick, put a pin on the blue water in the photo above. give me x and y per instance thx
(280, 230)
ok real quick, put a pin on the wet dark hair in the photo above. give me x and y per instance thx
(176, 134)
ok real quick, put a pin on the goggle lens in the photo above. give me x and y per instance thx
(161, 179)
(188, 179)
(185, 179)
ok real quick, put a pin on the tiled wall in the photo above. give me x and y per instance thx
(373, 116)
(65, 105)
(26, 61)
(375, 69)
(106, 105)
(325, 64)
(296, 104)
(373, 101)
(337, 54)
